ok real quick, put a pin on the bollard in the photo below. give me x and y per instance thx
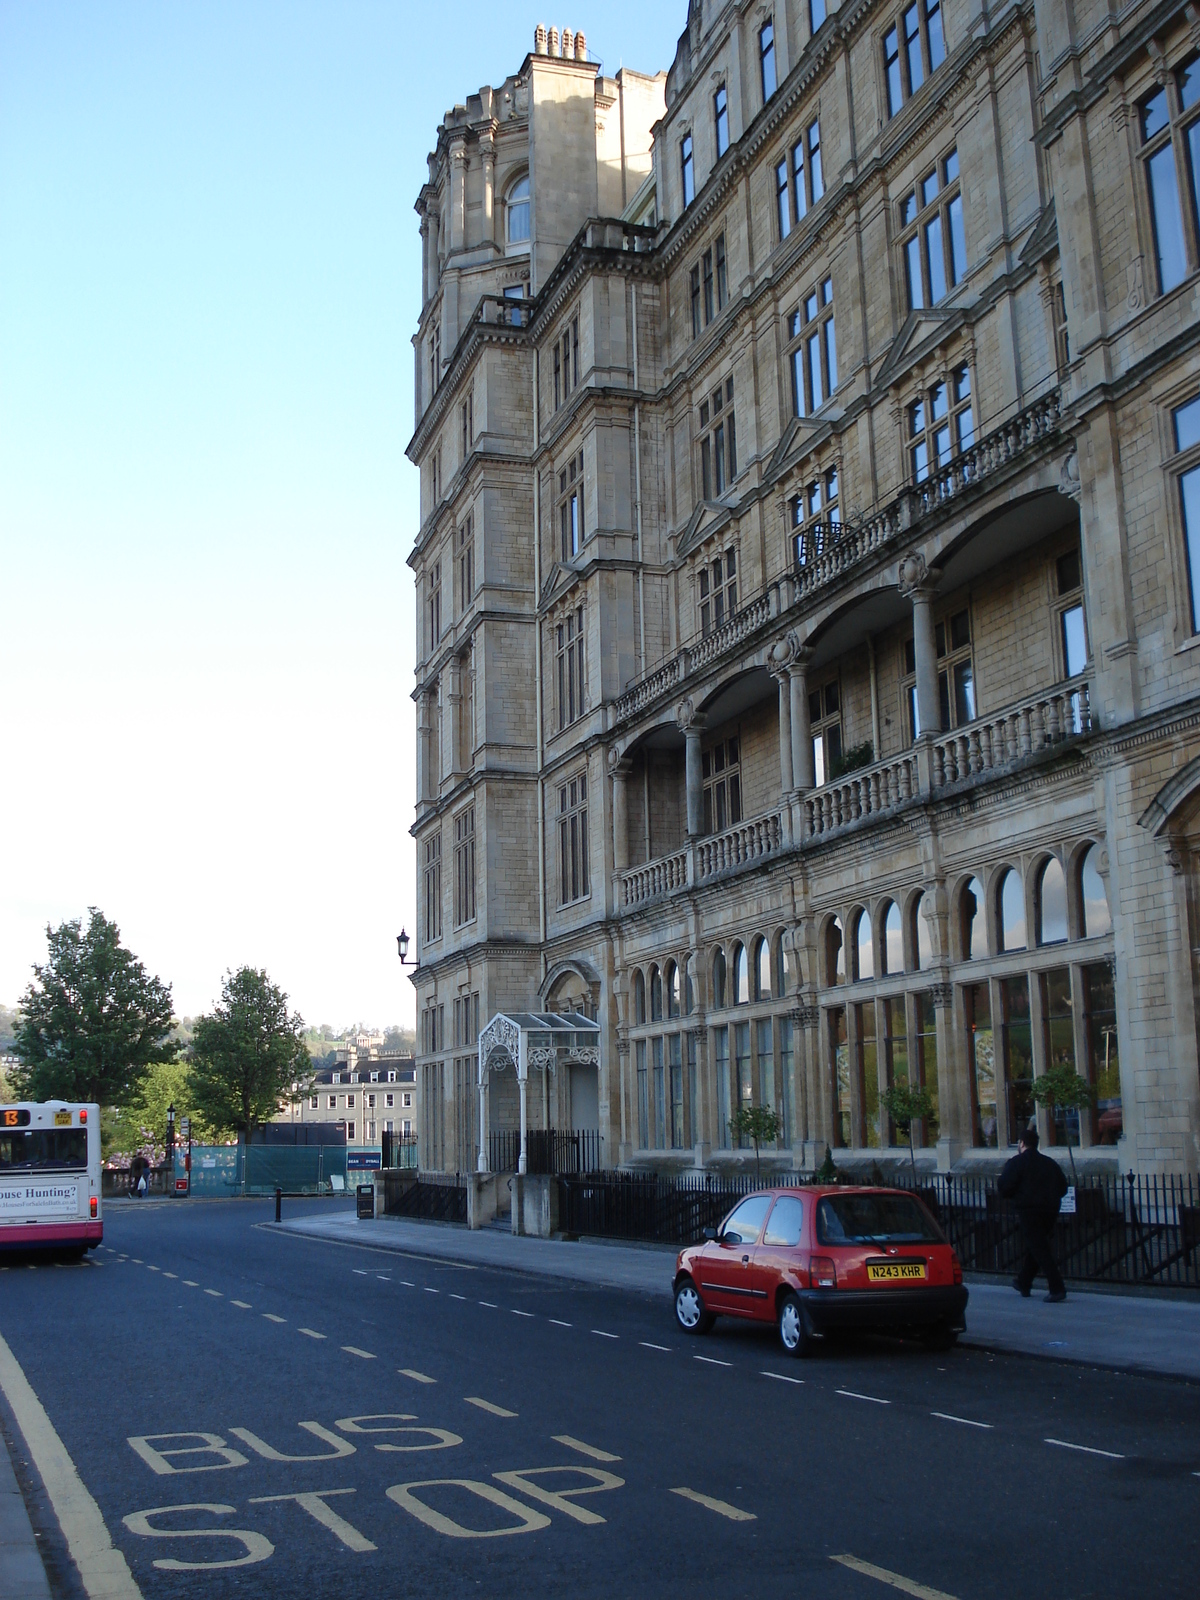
(278, 1204)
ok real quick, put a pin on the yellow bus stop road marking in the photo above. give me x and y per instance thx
(721, 1507)
(486, 1405)
(584, 1449)
(922, 1591)
(102, 1567)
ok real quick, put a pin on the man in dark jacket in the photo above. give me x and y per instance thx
(1036, 1186)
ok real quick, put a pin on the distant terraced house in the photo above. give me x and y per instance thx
(808, 683)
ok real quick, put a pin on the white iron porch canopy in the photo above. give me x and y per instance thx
(546, 1039)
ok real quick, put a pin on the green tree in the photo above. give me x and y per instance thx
(140, 1126)
(1060, 1087)
(907, 1103)
(93, 1021)
(249, 1057)
(759, 1123)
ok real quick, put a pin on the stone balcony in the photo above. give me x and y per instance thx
(835, 551)
(938, 765)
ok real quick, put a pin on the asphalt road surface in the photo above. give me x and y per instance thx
(257, 1413)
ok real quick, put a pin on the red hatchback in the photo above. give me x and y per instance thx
(814, 1260)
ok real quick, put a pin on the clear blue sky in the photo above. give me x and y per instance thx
(209, 276)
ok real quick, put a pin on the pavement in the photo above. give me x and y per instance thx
(214, 1405)
(22, 1575)
(1123, 1332)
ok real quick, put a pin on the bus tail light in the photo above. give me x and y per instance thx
(82, 1118)
(823, 1272)
(94, 1208)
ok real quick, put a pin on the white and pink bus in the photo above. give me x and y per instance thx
(50, 1176)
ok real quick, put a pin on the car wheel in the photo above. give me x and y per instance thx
(792, 1334)
(689, 1308)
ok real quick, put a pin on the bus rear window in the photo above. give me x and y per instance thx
(42, 1149)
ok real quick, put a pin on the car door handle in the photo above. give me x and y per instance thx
(745, 1261)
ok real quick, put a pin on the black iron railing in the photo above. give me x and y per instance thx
(442, 1201)
(548, 1151)
(620, 1205)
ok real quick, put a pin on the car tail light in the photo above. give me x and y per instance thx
(95, 1210)
(823, 1272)
(956, 1266)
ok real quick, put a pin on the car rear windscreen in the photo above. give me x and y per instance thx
(875, 1219)
(43, 1149)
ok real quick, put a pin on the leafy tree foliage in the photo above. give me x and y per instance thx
(1061, 1087)
(249, 1057)
(907, 1103)
(93, 1021)
(758, 1123)
(139, 1127)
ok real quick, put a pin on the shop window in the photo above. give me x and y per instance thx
(1016, 1036)
(1103, 1063)
(867, 1075)
(927, 1060)
(643, 1092)
(1059, 1025)
(839, 1057)
(721, 1063)
(981, 1062)
(895, 1039)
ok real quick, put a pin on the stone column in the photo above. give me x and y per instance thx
(802, 746)
(487, 155)
(426, 276)
(458, 197)
(692, 725)
(785, 732)
(423, 786)
(620, 775)
(455, 699)
(919, 584)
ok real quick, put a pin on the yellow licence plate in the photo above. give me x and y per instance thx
(895, 1272)
(62, 1119)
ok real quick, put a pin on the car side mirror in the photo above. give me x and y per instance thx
(710, 1233)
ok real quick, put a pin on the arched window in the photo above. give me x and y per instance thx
(783, 970)
(656, 1006)
(741, 976)
(1010, 902)
(517, 207)
(922, 938)
(672, 987)
(835, 952)
(1051, 903)
(892, 944)
(974, 923)
(864, 958)
(1093, 898)
(762, 970)
(689, 987)
(639, 996)
(718, 981)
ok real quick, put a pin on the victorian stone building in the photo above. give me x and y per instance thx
(809, 659)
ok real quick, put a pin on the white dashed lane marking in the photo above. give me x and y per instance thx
(967, 1422)
(417, 1377)
(781, 1377)
(517, 1313)
(1086, 1449)
(558, 1323)
(711, 1361)
(170, 1275)
(244, 1305)
(191, 1283)
(490, 1304)
(853, 1394)
(216, 1294)
(310, 1333)
(591, 1450)
(721, 1507)
(353, 1350)
(895, 1580)
(600, 1334)
(486, 1405)
(271, 1317)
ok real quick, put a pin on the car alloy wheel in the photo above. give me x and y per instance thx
(792, 1334)
(689, 1309)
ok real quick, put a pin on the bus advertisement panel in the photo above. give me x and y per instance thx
(50, 1176)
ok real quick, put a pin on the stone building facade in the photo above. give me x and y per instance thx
(809, 652)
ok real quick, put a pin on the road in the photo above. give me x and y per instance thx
(353, 1422)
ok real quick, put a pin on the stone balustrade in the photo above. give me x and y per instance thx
(985, 747)
(860, 795)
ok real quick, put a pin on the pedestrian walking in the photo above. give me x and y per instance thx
(1036, 1186)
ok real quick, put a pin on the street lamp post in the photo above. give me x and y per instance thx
(171, 1148)
(402, 949)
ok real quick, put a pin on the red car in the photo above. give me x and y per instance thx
(814, 1260)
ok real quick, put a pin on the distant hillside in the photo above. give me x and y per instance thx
(8, 1029)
